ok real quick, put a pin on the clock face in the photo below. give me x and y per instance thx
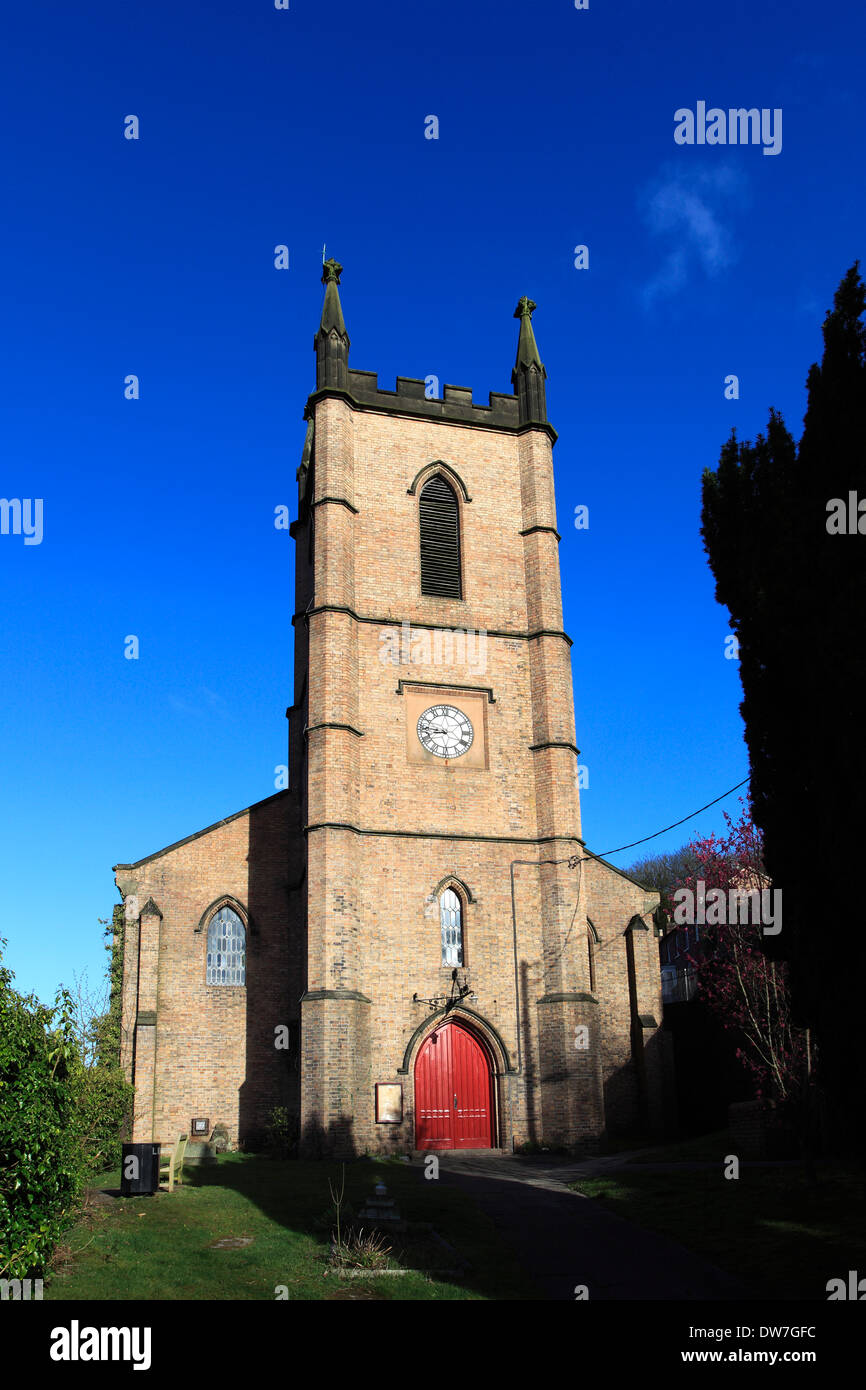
(445, 731)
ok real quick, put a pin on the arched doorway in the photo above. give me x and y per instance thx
(453, 1091)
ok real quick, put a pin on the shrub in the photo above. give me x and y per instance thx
(102, 1100)
(102, 1097)
(281, 1132)
(40, 1157)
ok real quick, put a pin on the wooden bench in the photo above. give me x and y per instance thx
(171, 1162)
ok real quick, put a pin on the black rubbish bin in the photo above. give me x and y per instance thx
(139, 1170)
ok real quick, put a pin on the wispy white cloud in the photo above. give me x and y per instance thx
(685, 209)
(199, 703)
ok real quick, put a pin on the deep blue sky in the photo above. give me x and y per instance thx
(155, 257)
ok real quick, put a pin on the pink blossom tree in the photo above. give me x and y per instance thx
(746, 990)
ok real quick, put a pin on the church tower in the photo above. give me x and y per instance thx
(411, 947)
(451, 997)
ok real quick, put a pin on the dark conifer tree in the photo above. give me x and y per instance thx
(796, 591)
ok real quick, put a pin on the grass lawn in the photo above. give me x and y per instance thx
(162, 1247)
(783, 1236)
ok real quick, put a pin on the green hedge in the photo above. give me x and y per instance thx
(41, 1168)
(102, 1114)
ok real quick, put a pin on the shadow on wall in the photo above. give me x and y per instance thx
(621, 1101)
(334, 1141)
(640, 1096)
(274, 972)
(528, 1057)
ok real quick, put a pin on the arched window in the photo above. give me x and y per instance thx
(226, 949)
(451, 919)
(591, 939)
(440, 539)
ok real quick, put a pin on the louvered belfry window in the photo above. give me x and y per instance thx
(440, 540)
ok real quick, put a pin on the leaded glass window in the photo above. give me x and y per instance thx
(451, 918)
(226, 949)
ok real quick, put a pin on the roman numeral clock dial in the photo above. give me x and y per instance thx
(445, 731)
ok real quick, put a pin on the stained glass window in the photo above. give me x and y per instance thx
(450, 911)
(226, 949)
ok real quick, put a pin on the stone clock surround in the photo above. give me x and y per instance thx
(472, 703)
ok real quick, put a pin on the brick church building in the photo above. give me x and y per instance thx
(412, 947)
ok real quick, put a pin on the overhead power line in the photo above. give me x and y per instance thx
(691, 816)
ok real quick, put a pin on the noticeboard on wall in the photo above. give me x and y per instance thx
(389, 1103)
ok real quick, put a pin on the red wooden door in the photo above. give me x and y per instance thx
(453, 1092)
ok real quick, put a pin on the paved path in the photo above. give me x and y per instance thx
(565, 1239)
